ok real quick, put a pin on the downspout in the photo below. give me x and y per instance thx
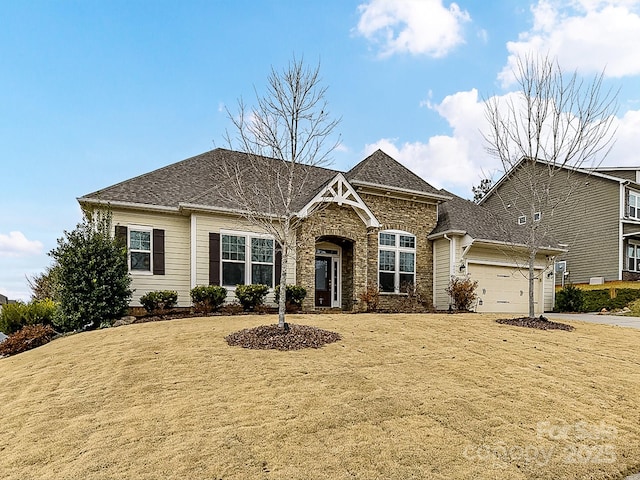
(194, 250)
(451, 252)
(620, 229)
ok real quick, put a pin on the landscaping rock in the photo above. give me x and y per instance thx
(538, 322)
(128, 320)
(294, 337)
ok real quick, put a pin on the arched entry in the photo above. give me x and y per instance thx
(333, 273)
(328, 275)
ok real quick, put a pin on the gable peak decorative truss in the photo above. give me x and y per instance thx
(339, 191)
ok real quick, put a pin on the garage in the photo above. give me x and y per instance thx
(503, 289)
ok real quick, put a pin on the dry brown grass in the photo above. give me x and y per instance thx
(401, 396)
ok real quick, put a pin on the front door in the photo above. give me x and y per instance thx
(323, 281)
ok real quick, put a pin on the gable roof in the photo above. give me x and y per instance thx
(595, 172)
(201, 182)
(381, 170)
(460, 216)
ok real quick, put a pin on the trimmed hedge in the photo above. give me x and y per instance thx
(250, 296)
(596, 300)
(208, 298)
(295, 296)
(159, 301)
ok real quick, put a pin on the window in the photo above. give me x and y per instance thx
(633, 210)
(396, 261)
(633, 257)
(537, 216)
(522, 219)
(139, 249)
(246, 259)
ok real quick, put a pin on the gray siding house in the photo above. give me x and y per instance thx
(595, 216)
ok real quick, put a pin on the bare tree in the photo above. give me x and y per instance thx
(556, 124)
(291, 124)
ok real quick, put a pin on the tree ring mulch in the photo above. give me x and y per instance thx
(537, 322)
(295, 337)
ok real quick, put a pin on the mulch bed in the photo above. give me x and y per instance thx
(295, 337)
(536, 322)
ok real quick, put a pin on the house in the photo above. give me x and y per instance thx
(367, 226)
(475, 241)
(596, 217)
(3, 299)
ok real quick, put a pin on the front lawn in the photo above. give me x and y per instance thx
(399, 397)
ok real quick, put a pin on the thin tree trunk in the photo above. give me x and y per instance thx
(532, 259)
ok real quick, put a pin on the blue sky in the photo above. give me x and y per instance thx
(96, 92)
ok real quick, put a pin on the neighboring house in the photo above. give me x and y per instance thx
(367, 226)
(597, 219)
(472, 240)
(3, 299)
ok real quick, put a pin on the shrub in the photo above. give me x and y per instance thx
(570, 299)
(462, 291)
(159, 301)
(609, 298)
(415, 301)
(14, 316)
(28, 337)
(44, 285)
(252, 295)
(92, 274)
(371, 297)
(294, 297)
(208, 298)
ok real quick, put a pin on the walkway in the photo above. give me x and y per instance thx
(619, 320)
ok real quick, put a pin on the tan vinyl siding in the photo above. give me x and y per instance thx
(588, 222)
(177, 253)
(548, 289)
(441, 278)
(214, 223)
(624, 174)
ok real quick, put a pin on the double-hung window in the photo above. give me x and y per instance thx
(139, 249)
(633, 257)
(634, 205)
(246, 259)
(396, 261)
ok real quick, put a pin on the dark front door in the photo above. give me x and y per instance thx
(323, 281)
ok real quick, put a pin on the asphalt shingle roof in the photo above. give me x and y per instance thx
(481, 223)
(381, 169)
(204, 180)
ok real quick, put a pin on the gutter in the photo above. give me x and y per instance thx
(137, 206)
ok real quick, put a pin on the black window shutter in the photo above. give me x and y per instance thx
(158, 251)
(121, 235)
(214, 258)
(278, 264)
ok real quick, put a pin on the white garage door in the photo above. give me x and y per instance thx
(503, 289)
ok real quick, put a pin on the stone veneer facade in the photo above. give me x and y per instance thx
(341, 225)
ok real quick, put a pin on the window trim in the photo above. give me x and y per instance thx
(248, 263)
(396, 249)
(636, 207)
(636, 248)
(140, 228)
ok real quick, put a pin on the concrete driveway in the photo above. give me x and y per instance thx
(619, 320)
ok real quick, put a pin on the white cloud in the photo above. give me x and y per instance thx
(584, 35)
(412, 26)
(458, 161)
(17, 245)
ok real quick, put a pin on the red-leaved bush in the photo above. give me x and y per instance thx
(28, 337)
